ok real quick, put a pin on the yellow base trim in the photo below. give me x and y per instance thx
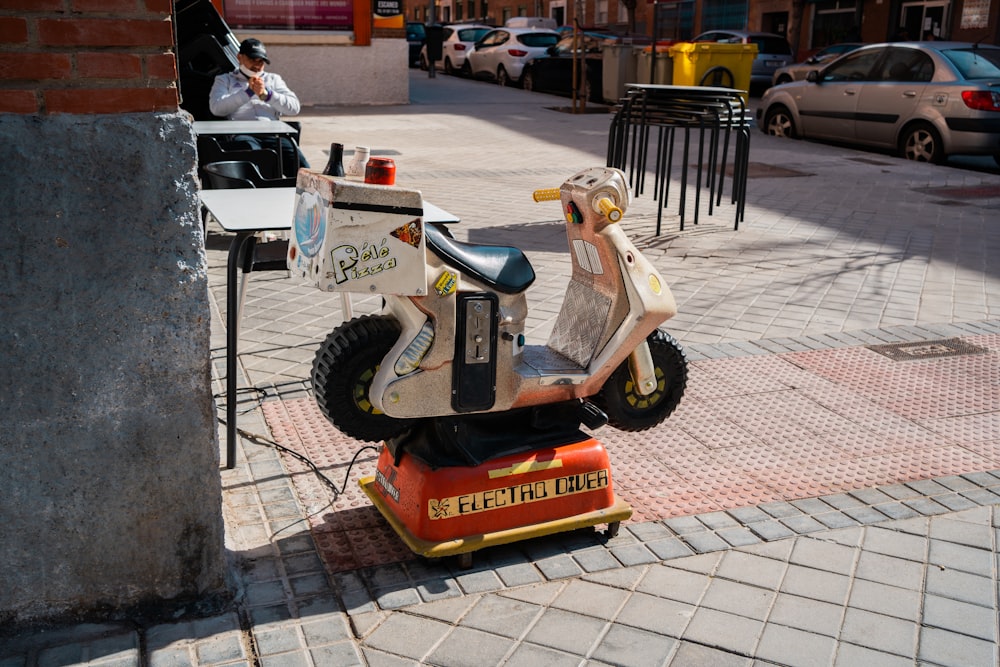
(618, 511)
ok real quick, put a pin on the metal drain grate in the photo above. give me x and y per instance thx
(927, 349)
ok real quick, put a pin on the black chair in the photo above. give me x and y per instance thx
(212, 150)
(232, 174)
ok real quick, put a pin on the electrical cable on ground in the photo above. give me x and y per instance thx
(329, 483)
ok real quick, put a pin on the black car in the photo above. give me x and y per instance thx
(553, 72)
(416, 36)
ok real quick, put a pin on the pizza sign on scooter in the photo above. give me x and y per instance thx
(358, 237)
(352, 263)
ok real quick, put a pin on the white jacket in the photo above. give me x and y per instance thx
(232, 98)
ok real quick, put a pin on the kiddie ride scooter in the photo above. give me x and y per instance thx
(482, 432)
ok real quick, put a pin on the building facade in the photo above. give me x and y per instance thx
(808, 24)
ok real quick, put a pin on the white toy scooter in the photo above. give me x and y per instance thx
(482, 434)
(450, 342)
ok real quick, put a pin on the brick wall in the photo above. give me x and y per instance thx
(86, 56)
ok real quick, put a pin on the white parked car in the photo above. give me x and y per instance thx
(459, 40)
(502, 53)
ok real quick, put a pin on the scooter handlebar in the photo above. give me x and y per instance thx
(546, 194)
(608, 208)
(603, 205)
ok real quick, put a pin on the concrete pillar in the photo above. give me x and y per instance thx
(110, 493)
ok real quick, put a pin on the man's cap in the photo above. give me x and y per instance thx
(254, 48)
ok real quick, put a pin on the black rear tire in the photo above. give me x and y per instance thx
(922, 143)
(628, 410)
(342, 374)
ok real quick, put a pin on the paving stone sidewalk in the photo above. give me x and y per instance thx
(852, 249)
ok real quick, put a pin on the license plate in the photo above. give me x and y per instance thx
(773, 63)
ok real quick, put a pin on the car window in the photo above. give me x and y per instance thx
(717, 37)
(446, 33)
(538, 39)
(494, 38)
(472, 34)
(856, 66)
(771, 45)
(906, 65)
(724, 38)
(975, 63)
(415, 31)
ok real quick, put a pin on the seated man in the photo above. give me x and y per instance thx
(250, 93)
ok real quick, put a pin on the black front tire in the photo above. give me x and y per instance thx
(503, 79)
(528, 80)
(778, 122)
(628, 410)
(342, 374)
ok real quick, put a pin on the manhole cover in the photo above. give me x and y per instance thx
(928, 349)
(968, 192)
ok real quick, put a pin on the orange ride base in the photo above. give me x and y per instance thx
(460, 509)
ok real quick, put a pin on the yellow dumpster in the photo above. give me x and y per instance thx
(712, 64)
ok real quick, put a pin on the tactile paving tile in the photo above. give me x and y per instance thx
(748, 431)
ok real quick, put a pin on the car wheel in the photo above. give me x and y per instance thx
(784, 78)
(922, 143)
(528, 80)
(779, 123)
(466, 69)
(448, 69)
(503, 79)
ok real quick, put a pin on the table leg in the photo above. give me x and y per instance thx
(233, 264)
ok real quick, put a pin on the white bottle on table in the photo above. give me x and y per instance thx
(355, 169)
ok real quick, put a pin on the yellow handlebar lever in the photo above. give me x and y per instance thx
(546, 194)
(609, 209)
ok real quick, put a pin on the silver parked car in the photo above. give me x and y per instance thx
(924, 100)
(459, 40)
(502, 53)
(798, 71)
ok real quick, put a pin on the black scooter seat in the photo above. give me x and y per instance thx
(504, 268)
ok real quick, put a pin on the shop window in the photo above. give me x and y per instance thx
(834, 21)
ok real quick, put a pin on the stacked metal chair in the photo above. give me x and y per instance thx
(703, 122)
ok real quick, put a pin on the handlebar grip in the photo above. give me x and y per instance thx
(609, 209)
(546, 194)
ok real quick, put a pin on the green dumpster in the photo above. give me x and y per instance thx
(713, 64)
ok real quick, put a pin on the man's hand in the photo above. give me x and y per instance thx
(257, 86)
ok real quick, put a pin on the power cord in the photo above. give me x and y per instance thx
(263, 441)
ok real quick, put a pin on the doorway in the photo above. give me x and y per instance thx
(921, 19)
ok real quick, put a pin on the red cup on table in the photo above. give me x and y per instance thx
(380, 171)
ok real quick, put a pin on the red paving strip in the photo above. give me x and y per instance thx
(750, 430)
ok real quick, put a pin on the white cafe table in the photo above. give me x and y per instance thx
(275, 128)
(225, 127)
(247, 212)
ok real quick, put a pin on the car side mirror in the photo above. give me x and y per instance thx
(813, 76)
